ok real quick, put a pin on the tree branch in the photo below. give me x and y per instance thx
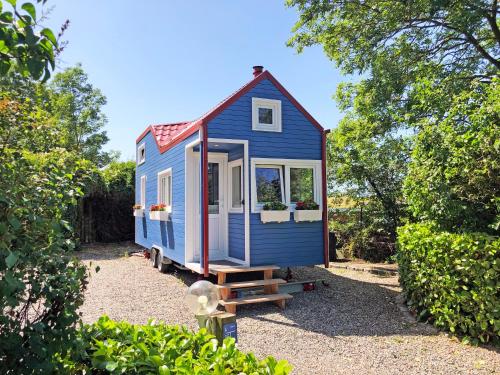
(492, 20)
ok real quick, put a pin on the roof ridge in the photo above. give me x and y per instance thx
(189, 127)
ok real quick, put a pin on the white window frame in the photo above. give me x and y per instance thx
(266, 163)
(273, 104)
(231, 165)
(165, 173)
(143, 192)
(285, 183)
(141, 147)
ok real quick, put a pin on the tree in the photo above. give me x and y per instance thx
(394, 44)
(24, 44)
(369, 167)
(41, 284)
(454, 177)
(415, 59)
(77, 107)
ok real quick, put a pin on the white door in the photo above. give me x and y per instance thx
(217, 212)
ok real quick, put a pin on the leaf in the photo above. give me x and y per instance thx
(11, 259)
(49, 35)
(111, 366)
(30, 8)
(35, 67)
(3, 47)
(12, 2)
(7, 17)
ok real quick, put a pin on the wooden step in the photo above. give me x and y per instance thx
(223, 270)
(238, 269)
(279, 299)
(251, 284)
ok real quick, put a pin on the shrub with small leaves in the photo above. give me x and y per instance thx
(114, 347)
(452, 280)
(275, 206)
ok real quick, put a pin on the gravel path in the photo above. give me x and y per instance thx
(352, 326)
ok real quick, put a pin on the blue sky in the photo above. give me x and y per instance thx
(165, 61)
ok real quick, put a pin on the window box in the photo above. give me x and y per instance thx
(159, 215)
(307, 215)
(139, 212)
(272, 216)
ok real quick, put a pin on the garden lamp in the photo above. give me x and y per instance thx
(202, 299)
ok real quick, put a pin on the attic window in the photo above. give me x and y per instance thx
(141, 154)
(266, 115)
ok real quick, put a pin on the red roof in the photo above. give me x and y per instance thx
(168, 135)
(165, 133)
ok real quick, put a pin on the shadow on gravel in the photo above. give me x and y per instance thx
(346, 307)
(107, 251)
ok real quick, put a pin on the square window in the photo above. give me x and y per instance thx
(269, 184)
(301, 184)
(266, 115)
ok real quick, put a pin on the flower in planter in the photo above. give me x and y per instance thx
(275, 206)
(158, 207)
(308, 204)
(137, 207)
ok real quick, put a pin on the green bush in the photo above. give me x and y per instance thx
(124, 348)
(275, 206)
(452, 280)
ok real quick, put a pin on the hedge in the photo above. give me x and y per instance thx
(452, 280)
(114, 347)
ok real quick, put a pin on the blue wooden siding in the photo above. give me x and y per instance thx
(284, 244)
(236, 234)
(169, 235)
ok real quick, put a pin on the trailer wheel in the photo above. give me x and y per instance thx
(162, 267)
(154, 257)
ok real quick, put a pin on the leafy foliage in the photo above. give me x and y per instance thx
(42, 285)
(394, 44)
(77, 108)
(364, 164)
(120, 347)
(452, 279)
(361, 231)
(425, 68)
(104, 213)
(24, 44)
(275, 206)
(308, 204)
(454, 177)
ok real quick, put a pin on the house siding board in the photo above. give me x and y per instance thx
(236, 230)
(283, 244)
(168, 235)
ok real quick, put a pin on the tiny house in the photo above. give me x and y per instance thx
(230, 188)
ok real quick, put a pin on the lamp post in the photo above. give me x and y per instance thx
(202, 299)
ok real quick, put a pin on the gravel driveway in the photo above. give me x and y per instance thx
(352, 326)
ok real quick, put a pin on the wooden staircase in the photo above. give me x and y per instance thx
(269, 284)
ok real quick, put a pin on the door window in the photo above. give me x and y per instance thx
(213, 188)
